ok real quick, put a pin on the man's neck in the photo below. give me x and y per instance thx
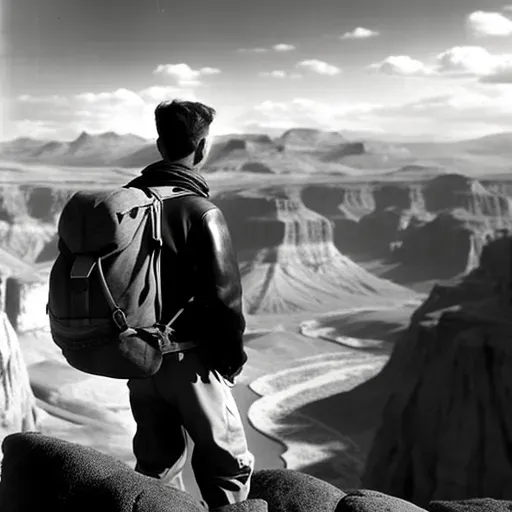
(186, 163)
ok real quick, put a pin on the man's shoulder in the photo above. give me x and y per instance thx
(195, 206)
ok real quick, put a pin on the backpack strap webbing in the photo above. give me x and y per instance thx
(161, 194)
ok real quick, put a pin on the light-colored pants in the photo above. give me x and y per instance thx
(186, 395)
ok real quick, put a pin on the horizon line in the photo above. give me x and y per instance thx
(361, 133)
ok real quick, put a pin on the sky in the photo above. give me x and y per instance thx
(437, 69)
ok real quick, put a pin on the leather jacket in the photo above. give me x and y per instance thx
(198, 259)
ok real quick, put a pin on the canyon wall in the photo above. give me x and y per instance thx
(303, 240)
(439, 225)
(446, 429)
(18, 410)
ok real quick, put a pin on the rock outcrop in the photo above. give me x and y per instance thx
(446, 429)
(18, 410)
(289, 262)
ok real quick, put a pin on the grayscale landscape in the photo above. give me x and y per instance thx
(362, 157)
(339, 242)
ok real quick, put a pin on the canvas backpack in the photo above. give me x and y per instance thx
(105, 297)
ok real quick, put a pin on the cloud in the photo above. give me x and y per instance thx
(280, 48)
(279, 73)
(507, 8)
(471, 103)
(38, 100)
(462, 61)
(184, 74)
(472, 60)
(300, 112)
(120, 96)
(122, 110)
(462, 111)
(360, 33)
(253, 50)
(483, 23)
(275, 74)
(320, 67)
(283, 47)
(401, 65)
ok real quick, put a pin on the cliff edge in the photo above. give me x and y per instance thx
(18, 410)
(446, 429)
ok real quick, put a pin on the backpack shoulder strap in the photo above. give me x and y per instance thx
(160, 194)
(169, 192)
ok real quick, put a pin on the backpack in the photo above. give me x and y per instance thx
(105, 299)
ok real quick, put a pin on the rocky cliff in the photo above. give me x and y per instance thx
(446, 429)
(289, 259)
(438, 225)
(28, 219)
(308, 240)
(18, 410)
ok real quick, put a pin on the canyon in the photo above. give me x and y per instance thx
(304, 246)
(342, 246)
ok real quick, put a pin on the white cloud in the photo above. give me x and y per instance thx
(49, 100)
(280, 48)
(320, 67)
(464, 61)
(184, 74)
(360, 33)
(157, 93)
(122, 110)
(253, 50)
(473, 60)
(36, 128)
(283, 47)
(459, 112)
(472, 103)
(275, 74)
(401, 65)
(123, 96)
(301, 112)
(279, 73)
(484, 23)
(507, 8)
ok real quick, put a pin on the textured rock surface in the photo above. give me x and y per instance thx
(26, 302)
(18, 411)
(446, 429)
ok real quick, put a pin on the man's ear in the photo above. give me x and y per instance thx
(200, 150)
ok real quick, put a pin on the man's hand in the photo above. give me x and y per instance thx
(232, 367)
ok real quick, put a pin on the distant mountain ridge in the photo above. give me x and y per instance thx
(296, 150)
(85, 150)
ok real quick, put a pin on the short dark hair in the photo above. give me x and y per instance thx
(181, 125)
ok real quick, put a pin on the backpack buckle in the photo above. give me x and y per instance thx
(120, 319)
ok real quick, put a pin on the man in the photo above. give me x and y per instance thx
(191, 391)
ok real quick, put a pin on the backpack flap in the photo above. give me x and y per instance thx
(90, 222)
